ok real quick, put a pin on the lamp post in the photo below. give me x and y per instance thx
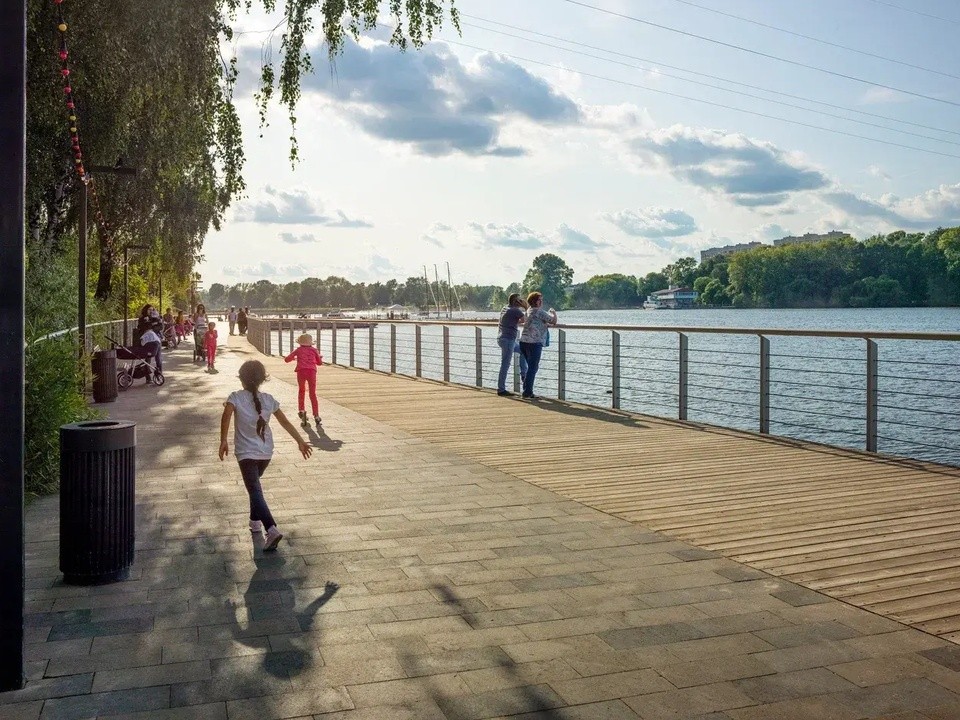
(117, 169)
(126, 284)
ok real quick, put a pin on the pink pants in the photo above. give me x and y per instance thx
(211, 353)
(305, 378)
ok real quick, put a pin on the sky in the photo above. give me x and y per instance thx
(608, 138)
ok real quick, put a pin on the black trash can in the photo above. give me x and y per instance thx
(97, 496)
(104, 367)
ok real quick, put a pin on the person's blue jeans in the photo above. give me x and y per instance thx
(531, 352)
(506, 355)
(252, 471)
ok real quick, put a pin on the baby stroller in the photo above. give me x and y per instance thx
(199, 349)
(137, 363)
(170, 339)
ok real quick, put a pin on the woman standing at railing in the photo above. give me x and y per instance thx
(510, 319)
(534, 333)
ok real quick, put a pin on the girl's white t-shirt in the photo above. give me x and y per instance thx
(247, 445)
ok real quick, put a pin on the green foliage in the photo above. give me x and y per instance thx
(551, 276)
(52, 399)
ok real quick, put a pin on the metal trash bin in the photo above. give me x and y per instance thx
(104, 367)
(97, 500)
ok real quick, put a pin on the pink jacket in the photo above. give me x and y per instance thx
(307, 356)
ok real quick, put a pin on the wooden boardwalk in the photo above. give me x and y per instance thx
(878, 533)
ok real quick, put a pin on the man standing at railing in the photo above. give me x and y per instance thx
(534, 335)
(232, 319)
(510, 318)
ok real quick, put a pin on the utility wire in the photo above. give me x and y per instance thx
(915, 12)
(733, 46)
(817, 40)
(717, 87)
(706, 75)
(705, 102)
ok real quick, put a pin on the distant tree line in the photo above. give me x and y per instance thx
(896, 270)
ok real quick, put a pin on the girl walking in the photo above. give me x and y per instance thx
(308, 360)
(210, 345)
(253, 443)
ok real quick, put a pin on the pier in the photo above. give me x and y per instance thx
(452, 554)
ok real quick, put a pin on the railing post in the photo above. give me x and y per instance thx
(446, 354)
(418, 348)
(561, 365)
(269, 341)
(371, 343)
(682, 385)
(280, 337)
(333, 342)
(764, 384)
(478, 344)
(393, 349)
(352, 350)
(292, 323)
(872, 368)
(319, 329)
(615, 379)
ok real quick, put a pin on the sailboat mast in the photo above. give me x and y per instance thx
(439, 289)
(449, 293)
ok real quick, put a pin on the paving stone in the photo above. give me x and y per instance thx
(47, 688)
(107, 680)
(798, 596)
(211, 711)
(409, 690)
(610, 710)
(109, 703)
(425, 710)
(290, 705)
(510, 701)
(690, 702)
(948, 656)
(612, 686)
(650, 635)
(786, 686)
(23, 710)
(690, 673)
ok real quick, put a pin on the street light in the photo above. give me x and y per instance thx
(117, 169)
(126, 285)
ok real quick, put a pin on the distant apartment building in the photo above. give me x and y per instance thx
(728, 250)
(810, 238)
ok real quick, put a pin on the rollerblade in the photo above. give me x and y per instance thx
(318, 422)
(303, 419)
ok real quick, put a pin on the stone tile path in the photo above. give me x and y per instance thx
(414, 583)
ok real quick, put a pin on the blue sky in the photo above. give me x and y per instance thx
(487, 156)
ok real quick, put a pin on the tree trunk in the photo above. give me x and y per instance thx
(105, 274)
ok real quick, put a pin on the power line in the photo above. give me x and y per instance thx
(916, 12)
(722, 89)
(705, 102)
(733, 46)
(818, 40)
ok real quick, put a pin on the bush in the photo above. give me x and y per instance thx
(52, 399)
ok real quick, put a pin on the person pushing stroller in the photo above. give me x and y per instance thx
(308, 360)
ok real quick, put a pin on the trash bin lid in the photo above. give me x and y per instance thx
(98, 435)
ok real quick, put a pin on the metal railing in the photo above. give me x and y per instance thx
(896, 392)
(96, 333)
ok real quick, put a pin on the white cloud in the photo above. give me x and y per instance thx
(653, 222)
(292, 239)
(293, 207)
(267, 271)
(937, 207)
(746, 172)
(882, 96)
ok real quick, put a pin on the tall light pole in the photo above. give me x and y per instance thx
(126, 285)
(13, 142)
(117, 169)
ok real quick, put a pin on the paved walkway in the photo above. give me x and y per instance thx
(414, 582)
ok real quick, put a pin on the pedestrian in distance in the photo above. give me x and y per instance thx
(242, 321)
(535, 328)
(253, 443)
(232, 319)
(210, 345)
(511, 317)
(308, 360)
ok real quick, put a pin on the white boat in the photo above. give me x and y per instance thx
(652, 303)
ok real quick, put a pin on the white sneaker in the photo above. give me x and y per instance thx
(256, 527)
(273, 539)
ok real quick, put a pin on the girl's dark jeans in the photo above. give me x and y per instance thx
(252, 471)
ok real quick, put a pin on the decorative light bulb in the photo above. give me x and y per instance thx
(62, 27)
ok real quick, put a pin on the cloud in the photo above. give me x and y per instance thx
(298, 239)
(939, 206)
(574, 240)
(432, 101)
(882, 96)
(432, 240)
(439, 227)
(877, 172)
(293, 207)
(266, 270)
(769, 232)
(747, 172)
(517, 236)
(653, 222)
